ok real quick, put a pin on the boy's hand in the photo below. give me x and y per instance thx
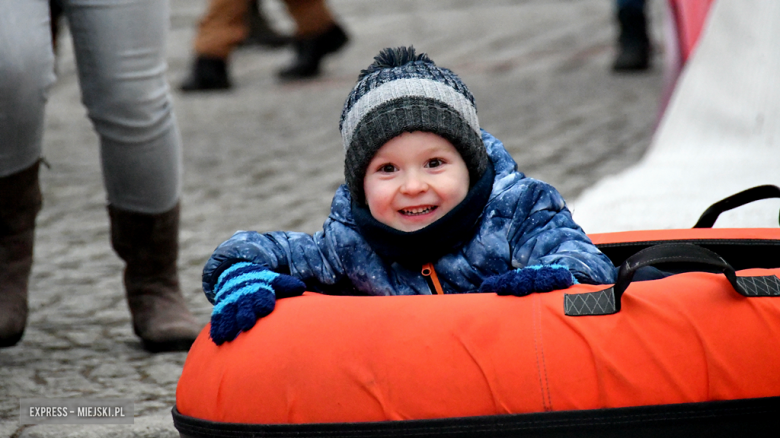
(234, 250)
(523, 281)
(244, 293)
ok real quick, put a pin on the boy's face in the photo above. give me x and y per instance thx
(415, 179)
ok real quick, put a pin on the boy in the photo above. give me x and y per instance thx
(431, 204)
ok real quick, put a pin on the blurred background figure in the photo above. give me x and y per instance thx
(260, 32)
(633, 40)
(225, 26)
(120, 54)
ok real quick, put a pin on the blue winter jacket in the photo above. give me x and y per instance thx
(524, 223)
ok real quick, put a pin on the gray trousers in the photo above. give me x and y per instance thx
(120, 55)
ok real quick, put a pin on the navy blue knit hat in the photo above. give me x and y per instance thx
(405, 92)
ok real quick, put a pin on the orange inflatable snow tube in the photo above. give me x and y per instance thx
(684, 341)
(319, 358)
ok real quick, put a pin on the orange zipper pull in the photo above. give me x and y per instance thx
(428, 271)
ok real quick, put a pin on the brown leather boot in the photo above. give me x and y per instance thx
(20, 202)
(149, 244)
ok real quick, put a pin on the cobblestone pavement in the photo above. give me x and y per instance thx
(268, 156)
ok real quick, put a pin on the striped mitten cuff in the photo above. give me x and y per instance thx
(244, 293)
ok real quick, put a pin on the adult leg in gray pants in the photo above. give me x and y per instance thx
(119, 47)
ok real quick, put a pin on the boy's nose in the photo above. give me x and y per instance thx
(413, 185)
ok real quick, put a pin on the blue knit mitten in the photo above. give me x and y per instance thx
(523, 281)
(245, 292)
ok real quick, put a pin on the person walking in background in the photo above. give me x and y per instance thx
(224, 27)
(120, 57)
(633, 40)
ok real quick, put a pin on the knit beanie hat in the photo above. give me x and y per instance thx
(405, 92)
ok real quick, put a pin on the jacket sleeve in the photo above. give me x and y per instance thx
(543, 233)
(310, 258)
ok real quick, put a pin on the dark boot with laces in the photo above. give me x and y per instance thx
(633, 42)
(207, 73)
(261, 33)
(310, 51)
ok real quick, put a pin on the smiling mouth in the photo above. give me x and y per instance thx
(418, 211)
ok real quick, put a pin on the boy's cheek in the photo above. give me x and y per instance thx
(380, 208)
(377, 206)
(378, 192)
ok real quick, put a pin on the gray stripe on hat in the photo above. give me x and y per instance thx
(426, 88)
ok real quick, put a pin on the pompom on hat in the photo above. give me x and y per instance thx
(405, 92)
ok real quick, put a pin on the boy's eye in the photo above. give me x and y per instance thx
(435, 162)
(387, 168)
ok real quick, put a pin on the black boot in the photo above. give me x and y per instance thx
(634, 42)
(260, 31)
(20, 201)
(149, 244)
(310, 51)
(207, 74)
